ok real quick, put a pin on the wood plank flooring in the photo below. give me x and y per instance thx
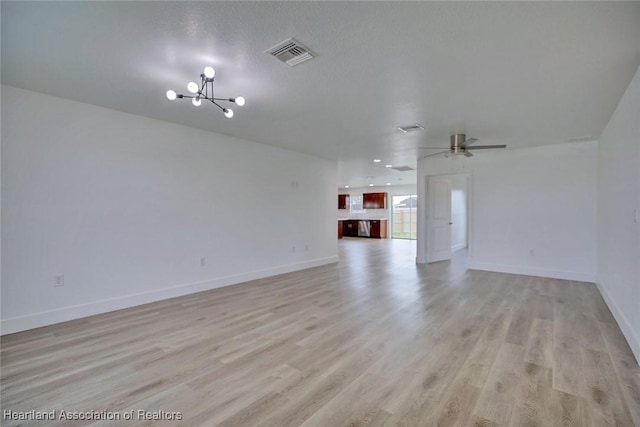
(374, 340)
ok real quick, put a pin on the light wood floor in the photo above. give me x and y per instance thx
(374, 340)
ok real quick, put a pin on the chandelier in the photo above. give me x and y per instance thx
(205, 91)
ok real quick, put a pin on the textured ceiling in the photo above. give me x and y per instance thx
(521, 73)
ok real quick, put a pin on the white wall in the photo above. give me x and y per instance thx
(458, 211)
(541, 199)
(125, 207)
(618, 205)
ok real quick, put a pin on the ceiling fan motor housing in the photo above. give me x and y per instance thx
(457, 143)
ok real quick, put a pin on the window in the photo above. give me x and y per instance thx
(356, 204)
(404, 217)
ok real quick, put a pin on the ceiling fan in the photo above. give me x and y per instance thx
(459, 145)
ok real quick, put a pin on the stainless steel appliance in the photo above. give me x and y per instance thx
(364, 228)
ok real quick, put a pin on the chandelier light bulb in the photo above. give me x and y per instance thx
(239, 101)
(209, 72)
(193, 87)
(196, 101)
(171, 95)
(228, 113)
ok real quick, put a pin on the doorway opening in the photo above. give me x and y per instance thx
(447, 216)
(404, 217)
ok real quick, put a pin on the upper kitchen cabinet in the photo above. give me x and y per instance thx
(374, 200)
(343, 201)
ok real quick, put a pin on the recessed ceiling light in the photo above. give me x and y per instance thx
(370, 185)
(388, 166)
(346, 186)
(376, 160)
(388, 183)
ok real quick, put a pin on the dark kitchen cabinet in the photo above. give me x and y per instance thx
(378, 228)
(374, 228)
(343, 201)
(350, 228)
(374, 200)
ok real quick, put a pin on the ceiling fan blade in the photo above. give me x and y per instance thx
(435, 154)
(434, 148)
(468, 154)
(470, 141)
(483, 147)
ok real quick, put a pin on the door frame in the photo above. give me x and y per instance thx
(423, 231)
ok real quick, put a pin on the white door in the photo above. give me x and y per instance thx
(438, 219)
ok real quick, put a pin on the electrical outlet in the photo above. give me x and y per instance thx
(203, 262)
(58, 281)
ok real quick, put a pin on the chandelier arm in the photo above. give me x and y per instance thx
(216, 104)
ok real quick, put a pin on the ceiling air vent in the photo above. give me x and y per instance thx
(290, 52)
(580, 139)
(410, 128)
(402, 168)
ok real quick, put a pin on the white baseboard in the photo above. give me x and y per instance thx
(424, 260)
(36, 320)
(528, 271)
(625, 326)
(458, 247)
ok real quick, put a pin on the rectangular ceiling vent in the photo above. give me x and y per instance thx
(411, 128)
(580, 139)
(290, 52)
(402, 168)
